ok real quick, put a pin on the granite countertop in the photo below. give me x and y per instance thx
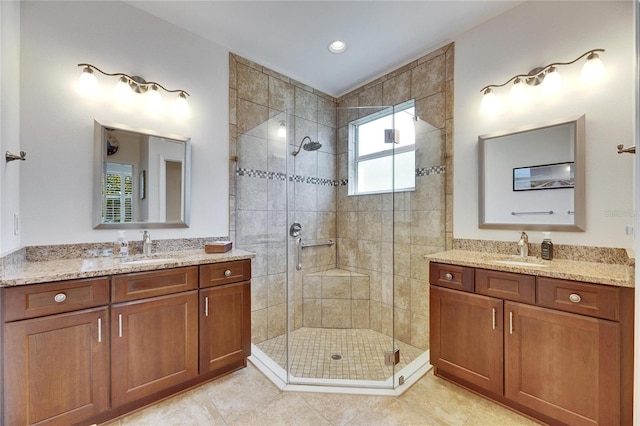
(68, 269)
(593, 272)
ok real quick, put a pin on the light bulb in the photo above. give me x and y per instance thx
(552, 82)
(592, 70)
(123, 91)
(282, 130)
(337, 46)
(182, 106)
(88, 82)
(518, 92)
(489, 104)
(154, 99)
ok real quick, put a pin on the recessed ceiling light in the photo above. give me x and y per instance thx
(337, 46)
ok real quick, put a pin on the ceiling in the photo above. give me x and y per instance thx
(291, 37)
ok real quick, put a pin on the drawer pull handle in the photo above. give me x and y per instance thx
(206, 306)
(575, 298)
(448, 276)
(510, 322)
(227, 273)
(99, 330)
(60, 297)
(119, 325)
(493, 313)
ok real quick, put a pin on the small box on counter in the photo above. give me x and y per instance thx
(218, 247)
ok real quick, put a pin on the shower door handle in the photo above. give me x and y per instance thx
(299, 253)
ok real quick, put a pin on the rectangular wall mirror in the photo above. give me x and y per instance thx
(141, 178)
(532, 178)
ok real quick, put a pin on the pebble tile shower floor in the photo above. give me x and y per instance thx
(361, 350)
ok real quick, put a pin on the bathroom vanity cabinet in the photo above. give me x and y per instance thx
(154, 340)
(56, 352)
(225, 315)
(85, 351)
(556, 350)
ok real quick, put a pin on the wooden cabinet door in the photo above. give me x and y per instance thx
(56, 368)
(225, 325)
(154, 345)
(563, 365)
(466, 337)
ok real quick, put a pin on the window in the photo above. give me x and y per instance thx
(378, 165)
(118, 202)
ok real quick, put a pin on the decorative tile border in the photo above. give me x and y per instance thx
(261, 174)
(434, 170)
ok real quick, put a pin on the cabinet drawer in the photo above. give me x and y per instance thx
(452, 276)
(596, 300)
(154, 283)
(225, 273)
(36, 300)
(506, 285)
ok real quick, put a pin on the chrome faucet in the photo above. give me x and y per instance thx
(523, 244)
(146, 243)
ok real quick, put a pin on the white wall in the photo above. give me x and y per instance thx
(9, 122)
(536, 34)
(57, 122)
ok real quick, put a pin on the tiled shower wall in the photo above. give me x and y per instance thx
(259, 221)
(420, 221)
(382, 236)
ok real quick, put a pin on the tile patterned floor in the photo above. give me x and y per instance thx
(248, 398)
(362, 353)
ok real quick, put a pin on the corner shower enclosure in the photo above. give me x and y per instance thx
(340, 293)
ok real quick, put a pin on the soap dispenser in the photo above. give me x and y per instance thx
(121, 246)
(546, 248)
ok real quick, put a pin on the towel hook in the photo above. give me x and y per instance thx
(12, 157)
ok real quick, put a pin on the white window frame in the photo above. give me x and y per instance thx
(123, 171)
(355, 159)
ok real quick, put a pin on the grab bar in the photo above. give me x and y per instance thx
(328, 243)
(300, 245)
(516, 213)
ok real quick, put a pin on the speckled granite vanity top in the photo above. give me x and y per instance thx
(68, 269)
(593, 272)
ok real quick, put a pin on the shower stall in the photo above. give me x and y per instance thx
(340, 206)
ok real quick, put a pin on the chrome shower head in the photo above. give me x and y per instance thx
(312, 146)
(309, 146)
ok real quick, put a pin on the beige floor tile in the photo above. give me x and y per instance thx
(289, 409)
(390, 411)
(488, 413)
(247, 397)
(442, 401)
(339, 409)
(242, 394)
(190, 408)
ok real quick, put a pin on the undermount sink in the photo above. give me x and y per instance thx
(146, 261)
(518, 263)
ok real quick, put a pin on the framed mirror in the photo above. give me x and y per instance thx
(141, 178)
(532, 178)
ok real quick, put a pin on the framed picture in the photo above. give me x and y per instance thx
(546, 176)
(143, 175)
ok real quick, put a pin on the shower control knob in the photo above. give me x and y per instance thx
(294, 229)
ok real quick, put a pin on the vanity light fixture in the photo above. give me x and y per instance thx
(128, 84)
(548, 76)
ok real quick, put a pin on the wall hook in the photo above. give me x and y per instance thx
(11, 157)
(630, 150)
